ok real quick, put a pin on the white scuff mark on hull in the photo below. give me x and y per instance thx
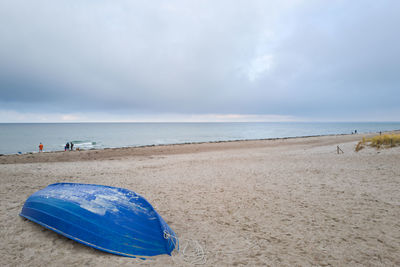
(96, 200)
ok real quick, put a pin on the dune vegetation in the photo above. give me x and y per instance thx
(379, 141)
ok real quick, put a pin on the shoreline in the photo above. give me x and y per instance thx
(101, 137)
(160, 149)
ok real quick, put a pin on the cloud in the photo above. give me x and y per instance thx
(304, 59)
(259, 66)
(11, 116)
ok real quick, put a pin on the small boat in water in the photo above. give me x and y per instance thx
(111, 219)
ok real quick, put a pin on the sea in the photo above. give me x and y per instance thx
(18, 138)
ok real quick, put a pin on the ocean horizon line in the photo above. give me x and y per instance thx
(286, 122)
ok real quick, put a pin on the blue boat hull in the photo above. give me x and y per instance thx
(111, 219)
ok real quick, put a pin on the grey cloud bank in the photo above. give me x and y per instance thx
(319, 60)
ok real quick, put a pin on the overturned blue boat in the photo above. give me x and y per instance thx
(111, 219)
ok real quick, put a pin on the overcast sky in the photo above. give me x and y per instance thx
(283, 60)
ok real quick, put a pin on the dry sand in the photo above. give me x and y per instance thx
(270, 202)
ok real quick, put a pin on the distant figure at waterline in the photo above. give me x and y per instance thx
(66, 146)
(40, 147)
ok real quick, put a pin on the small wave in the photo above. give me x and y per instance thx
(84, 144)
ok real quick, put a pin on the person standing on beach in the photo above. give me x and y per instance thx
(66, 147)
(40, 147)
(72, 146)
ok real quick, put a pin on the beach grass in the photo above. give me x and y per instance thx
(379, 141)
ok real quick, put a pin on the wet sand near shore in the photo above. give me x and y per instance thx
(267, 202)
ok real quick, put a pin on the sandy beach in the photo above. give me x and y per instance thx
(284, 202)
